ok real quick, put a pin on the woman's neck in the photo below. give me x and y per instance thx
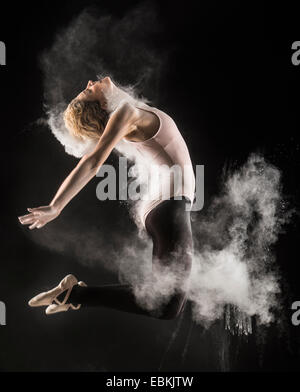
(115, 96)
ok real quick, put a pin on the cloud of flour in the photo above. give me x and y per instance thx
(95, 44)
(234, 260)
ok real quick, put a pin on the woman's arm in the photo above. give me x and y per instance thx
(76, 180)
(118, 126)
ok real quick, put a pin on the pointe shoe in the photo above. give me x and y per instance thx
(46, 298)
(53, 308)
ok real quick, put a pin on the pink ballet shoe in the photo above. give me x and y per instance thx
(54, 308)
(46, 298)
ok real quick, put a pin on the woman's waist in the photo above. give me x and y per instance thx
(146, 206)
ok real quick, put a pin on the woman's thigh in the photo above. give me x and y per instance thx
(169, 226)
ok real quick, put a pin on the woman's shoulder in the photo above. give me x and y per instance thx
(124, 109)
(124, 117)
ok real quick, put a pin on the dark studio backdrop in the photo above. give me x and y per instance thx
(228, 81)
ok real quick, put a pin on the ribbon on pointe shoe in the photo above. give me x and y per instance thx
(46, 298)
(63, 307)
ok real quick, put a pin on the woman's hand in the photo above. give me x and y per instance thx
(39, 217)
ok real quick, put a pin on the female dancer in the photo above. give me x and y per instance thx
(107, 114)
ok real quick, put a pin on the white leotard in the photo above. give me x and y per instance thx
(166, 147)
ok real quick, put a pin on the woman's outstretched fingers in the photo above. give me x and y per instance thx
(25, 219)
(28, 221)
(34, 210)
(34, 225)
(39, 217)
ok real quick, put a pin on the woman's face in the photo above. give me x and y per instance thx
(97, 91)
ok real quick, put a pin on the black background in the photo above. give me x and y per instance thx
(233, 61)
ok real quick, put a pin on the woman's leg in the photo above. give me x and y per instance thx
(169, 226)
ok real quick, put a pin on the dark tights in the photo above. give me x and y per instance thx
(169, 227)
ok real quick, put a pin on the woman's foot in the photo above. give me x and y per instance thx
(47, 298)
(53, 308)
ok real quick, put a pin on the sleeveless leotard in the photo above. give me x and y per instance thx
(167, 147)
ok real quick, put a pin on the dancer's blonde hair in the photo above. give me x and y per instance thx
(85, 119)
